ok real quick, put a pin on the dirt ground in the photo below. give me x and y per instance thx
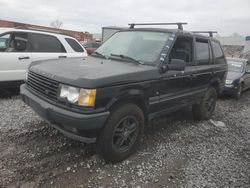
(176, 151)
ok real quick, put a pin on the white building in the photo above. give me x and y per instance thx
(231, 40)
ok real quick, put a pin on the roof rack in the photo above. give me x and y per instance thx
(42, 30)
(179, 24)
(209, 32)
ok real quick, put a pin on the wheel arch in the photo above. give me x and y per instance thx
(216, 84)
(242, 82)
(134, 96)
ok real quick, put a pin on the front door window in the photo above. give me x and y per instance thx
(4, 40)
(15, 42)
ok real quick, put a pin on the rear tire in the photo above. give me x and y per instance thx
(121, 134)
(205, 109)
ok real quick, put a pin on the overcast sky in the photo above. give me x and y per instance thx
(225, 16)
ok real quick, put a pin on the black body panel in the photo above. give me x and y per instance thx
(77, 125)
(155, 89)
(94, 72)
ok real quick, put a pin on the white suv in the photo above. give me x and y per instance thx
(20, 47)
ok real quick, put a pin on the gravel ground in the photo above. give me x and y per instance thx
(176, 151)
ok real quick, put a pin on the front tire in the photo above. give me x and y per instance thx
(121, 134)
(205, 109)
(238, 93)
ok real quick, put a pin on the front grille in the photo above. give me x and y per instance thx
(43, 85)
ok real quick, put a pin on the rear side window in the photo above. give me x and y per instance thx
(203, 52)
(218, 53)
(74, 45)
(46, 44)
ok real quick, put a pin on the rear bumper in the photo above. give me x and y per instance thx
(82, 127)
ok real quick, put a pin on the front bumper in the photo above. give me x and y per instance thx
(82, 127)
(229, 89)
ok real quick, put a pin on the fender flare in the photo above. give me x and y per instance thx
(129, 95)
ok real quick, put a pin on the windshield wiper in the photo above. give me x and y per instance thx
(99, 54)
(127, 58)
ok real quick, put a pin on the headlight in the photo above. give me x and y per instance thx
(229, 81)
(82, 97)
(26, 76)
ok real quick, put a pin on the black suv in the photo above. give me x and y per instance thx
(136, 75)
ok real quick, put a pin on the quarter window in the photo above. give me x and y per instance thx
(74, 45)
(46, 43)
(218, 53)
(217, 50)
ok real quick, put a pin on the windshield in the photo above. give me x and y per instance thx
(235, 66)
(143, 46)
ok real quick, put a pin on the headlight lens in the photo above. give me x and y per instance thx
(73, 94)
(82, 97)
(229, 81)
(64, 91)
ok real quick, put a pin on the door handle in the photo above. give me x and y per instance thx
(62, 56)
(23, 57)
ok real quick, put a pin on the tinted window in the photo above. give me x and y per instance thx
(183, 49)
(21, 41)
(46, 43)
(14, 42)
(202, 52)
(4, 42)
(217, 50)
(218, 53)
(74, 45)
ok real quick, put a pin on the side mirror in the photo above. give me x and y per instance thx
(177, 65)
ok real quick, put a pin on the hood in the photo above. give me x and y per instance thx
(234, 75)
(94, 72)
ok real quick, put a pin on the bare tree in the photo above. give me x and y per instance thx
(56, 24)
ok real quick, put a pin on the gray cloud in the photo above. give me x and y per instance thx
(226, 16)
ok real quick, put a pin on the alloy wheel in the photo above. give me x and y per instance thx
(125, 134)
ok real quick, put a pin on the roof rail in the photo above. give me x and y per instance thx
(179, 24)
(43, 30)
(209, 32)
